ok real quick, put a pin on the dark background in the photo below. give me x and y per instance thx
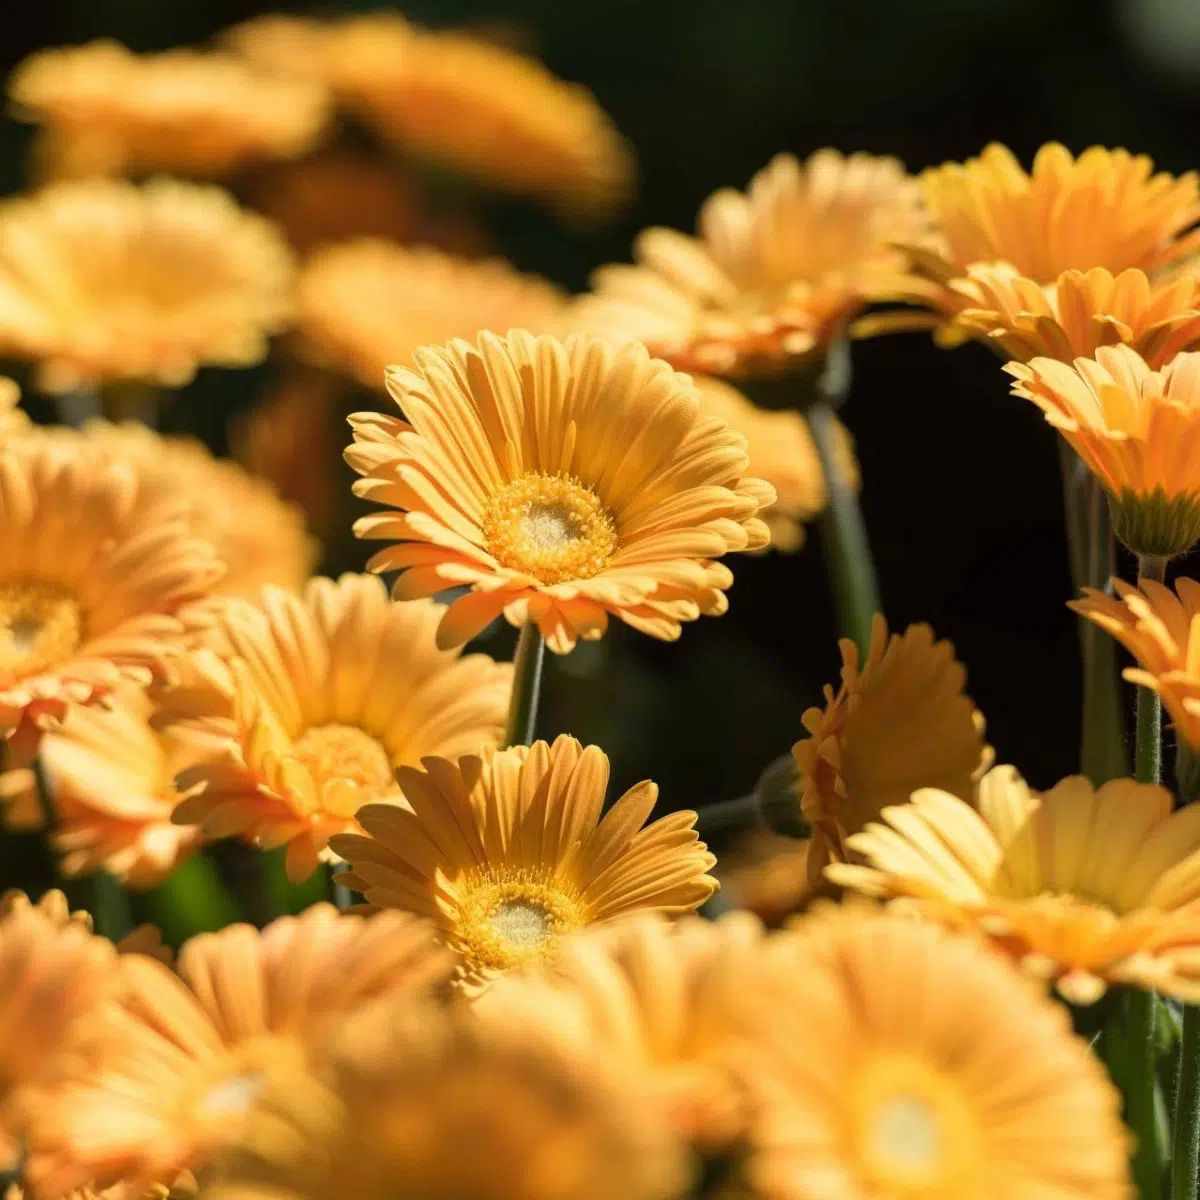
(961, 486)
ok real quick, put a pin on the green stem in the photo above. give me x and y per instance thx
(1138, 1006)
(527, 687)
(844, 535)
(1102, 749)
(1185, 1160)
(743, 812)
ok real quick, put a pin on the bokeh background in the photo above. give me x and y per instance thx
(961, 490)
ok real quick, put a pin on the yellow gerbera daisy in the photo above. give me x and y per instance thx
(421, 1102)
(112, 777)
(1159, 628)
(367, 304)
(1137, 430)
(562, 482)
(780, 450)
(1071, 317)
(1007, 262)
(774, 272)
(108, 111)
(927, 1068)
(480, 108)
(506, 852)
(102, 281)
(178, 1060)
(260, 538)
(1084, 888)
(55, 974)
(899, 721)
(302, 707)
(664, 1002)
(89, 578)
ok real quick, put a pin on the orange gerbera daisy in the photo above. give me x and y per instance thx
(927, 1068)
(1056, 261)
(664, 1001)
(112, 778)
(302, 707)
(260, 538)
(103, 281)
(899, 721)
(368, 304)
(55, 973)
(1084, 888)
(89, 578)
(105, 110)
(1137, 430)
(562, 482)
(1159, 628)
(339, 192)
(781, 451)
(423, 1102)
(774, 273)
(477, 107)
(177, 1061)
(506, 852)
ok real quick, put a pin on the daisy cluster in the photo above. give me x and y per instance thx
(916, 976)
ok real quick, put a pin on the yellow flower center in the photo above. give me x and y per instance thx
(550, 527)
(914, 1132)
(214, 1102)
(336, 751)
(508, 918)
(41, 625)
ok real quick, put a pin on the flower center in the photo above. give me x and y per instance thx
(231, 1098)
(509, 918)
(915, 1132)
(336, 751)
(550, 527)
(40, 625)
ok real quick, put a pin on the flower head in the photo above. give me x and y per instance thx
(664, 1001)
(367, 304)
(102, 280)
(1137, 430)
(90, 576)
(780, 450)
(112, 777)
(302, 707)
(1159, 628)
(417, 1103)
(928, 1068)
(495, 115)
(562, 482)
(899, 721)
(507, 852)
(260, 538)
(1082, 887)
(179, 1059)
(55, 975)
(107, 111)
(1056, 261)
(774, 272)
